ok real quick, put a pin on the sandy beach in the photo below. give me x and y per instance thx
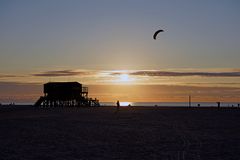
(131, 133)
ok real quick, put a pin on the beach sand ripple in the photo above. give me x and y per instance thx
(131, 133)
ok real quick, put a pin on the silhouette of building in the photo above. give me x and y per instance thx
(57, 94)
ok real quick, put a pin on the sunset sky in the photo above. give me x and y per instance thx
(107, 45)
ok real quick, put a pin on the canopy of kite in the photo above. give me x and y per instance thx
(156, 33)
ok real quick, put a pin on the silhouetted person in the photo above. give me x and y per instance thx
(218, 103)
(118, 105)
(198, 105)
(238, 105)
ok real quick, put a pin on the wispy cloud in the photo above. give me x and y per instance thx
(150, 73)
(207, 83)
(62, 73)
(9, 76)
(179, 74)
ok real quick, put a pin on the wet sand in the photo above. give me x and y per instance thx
(132, 133)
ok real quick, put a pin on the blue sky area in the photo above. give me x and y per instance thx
(108, 34)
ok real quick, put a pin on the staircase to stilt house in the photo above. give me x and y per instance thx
(39, 101)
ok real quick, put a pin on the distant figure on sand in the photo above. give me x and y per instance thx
(218, 103)
(118, 105)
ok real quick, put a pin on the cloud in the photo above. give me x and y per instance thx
(61, 73)
(219, 83)
(9, 76)
(150, 73)
(181, 74)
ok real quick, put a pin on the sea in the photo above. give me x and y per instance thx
(159, 104)
(173, 104)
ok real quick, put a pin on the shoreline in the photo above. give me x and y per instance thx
(123, 107)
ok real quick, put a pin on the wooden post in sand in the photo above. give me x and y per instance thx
(189, 101)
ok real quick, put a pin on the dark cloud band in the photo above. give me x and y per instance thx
(179, 74)
(61, 73)
(9, 76)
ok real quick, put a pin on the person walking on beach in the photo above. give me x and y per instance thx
(218, 103)
(118, 105)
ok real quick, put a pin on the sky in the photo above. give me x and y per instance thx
(108, 44)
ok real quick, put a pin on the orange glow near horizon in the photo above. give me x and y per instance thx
(13, 92)
(129, 85)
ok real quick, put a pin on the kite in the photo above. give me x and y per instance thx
(156, 33)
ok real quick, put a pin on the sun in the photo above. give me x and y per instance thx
(124, 78)
(121, 77)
